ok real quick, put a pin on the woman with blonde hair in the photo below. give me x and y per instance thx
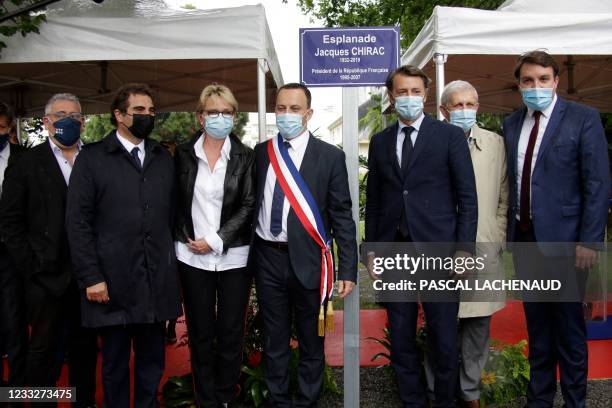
(215, 178)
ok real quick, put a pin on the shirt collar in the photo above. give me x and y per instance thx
(199, 148)
(547, 111)
(299, 142)
(57, 149)
(129, 145)
(416, 124)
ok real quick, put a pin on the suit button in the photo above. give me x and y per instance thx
(405, 193)
(148, 237)
(144, 179)
(146, 207)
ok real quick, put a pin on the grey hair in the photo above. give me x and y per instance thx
(61, 97)
(456, 86)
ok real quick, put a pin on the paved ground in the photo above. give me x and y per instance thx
(379, 389)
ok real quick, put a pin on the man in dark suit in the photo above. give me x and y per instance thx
(13, 324)
(287, 260)
(559, 187)
(421, 188)
(119, 219)
(32, 225)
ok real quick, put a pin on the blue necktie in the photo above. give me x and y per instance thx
(278, 199)
(134, 154)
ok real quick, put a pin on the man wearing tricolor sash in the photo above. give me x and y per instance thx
(303, 206)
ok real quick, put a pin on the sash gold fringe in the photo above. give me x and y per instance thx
(321, 322)
(329, 317)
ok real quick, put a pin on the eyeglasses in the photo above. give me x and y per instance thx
(214, 114)
(72, 115)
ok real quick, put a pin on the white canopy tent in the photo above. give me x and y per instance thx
(481, 47)
(91, 52)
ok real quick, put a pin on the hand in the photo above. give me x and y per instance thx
(464, 255)
(345, 287)
(199, 246)
(97, 293)
(585, 257)
(370, 266)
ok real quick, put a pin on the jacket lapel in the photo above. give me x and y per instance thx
(512, 138)
(423, 135)
(50, 167)
(551, 128)
(152, 149)
(310, 155)
(391, 139)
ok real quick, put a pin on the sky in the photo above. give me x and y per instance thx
(284, 21)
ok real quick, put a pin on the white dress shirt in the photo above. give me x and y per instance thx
(64, 164)
(296, 150)
(129, 146)
(524, 141)
(4, 158)
(401, 136)
(206, 215)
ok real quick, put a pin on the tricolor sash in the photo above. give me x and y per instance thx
(305, 207)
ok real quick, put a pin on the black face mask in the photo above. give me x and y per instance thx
(4, 139)
(142, 125)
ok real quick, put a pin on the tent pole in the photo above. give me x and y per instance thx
(261, 98)
(18, 129)
(350, 145)
(439, 60)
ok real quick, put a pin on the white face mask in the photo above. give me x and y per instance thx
(409, 107)
(289, 125)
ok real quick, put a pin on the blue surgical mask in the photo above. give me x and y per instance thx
(289, 125)
(464, 118)
(219, 127)
(409, 107)
(67, 131)
(537, 98)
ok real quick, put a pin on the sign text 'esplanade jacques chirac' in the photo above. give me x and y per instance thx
(348, 56)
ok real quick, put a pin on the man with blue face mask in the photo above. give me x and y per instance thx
(421, 189)
(459, 105)
(302, 200)
(33, 207)
(559, 187)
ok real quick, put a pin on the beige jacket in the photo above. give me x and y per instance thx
(489, 161)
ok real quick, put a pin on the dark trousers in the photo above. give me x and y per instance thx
(442, 328)
(13, 324)
(48, 316)
(215, 310)
(441, 321)
(44, 314)
(149, 353)
(557, 336)
(283, 299)
(80, 346)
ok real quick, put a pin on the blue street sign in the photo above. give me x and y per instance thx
(361, 56)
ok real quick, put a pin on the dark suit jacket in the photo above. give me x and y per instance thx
(324, 172)
(439, 188)
(32, 224)
(119, 220)
(16, 151)
(570, 184)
